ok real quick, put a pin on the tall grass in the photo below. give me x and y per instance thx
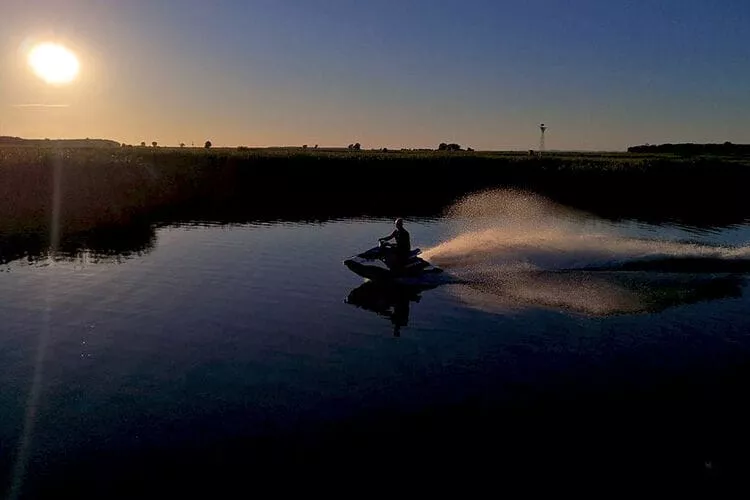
(125, 186)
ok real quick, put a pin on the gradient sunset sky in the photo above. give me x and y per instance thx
(602, 75)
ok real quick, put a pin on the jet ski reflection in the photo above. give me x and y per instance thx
(388, 299)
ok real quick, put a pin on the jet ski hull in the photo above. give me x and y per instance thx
(372, 265)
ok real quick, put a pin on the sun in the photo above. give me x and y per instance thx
(53, 63)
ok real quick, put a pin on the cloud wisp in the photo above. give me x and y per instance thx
(38, 105)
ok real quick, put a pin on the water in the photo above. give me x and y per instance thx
(218, 349)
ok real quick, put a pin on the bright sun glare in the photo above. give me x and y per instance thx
(54, 63)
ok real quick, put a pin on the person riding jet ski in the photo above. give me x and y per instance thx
(400, 253)
(388, 261)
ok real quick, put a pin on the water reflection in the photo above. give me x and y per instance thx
(105, 244)
(595, 293)
(389, 300)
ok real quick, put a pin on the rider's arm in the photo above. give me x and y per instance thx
(389, 237)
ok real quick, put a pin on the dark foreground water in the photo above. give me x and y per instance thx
(241, 357)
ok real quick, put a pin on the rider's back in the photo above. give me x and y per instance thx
(403, 241)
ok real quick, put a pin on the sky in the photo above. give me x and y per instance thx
(602, 75)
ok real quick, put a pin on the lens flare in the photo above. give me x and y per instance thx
(54, 63)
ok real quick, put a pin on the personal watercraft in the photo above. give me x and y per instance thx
(378, 263)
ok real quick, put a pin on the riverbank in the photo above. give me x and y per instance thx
(75, 191)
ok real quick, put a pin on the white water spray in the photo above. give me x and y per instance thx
(515, 249)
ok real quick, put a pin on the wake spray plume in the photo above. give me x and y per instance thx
(512, 249)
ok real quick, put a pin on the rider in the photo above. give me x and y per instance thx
(403, 243)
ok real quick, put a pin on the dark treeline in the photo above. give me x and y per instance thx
(58, 143)
(690, 149)
(89, 197)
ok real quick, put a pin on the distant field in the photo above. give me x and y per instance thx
(30, 151)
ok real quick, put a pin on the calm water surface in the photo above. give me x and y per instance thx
(224, 334)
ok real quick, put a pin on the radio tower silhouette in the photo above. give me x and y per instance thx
(543, 128)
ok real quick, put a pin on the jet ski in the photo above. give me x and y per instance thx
(375, 264)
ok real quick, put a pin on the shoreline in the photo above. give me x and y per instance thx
(85, 190)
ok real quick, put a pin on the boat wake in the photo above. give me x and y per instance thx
(513, 249)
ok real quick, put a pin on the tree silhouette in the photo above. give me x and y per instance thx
(449, 147)
(182, 144)
(143, 144)
(154, 144)
(208, 145)
(357, 146)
